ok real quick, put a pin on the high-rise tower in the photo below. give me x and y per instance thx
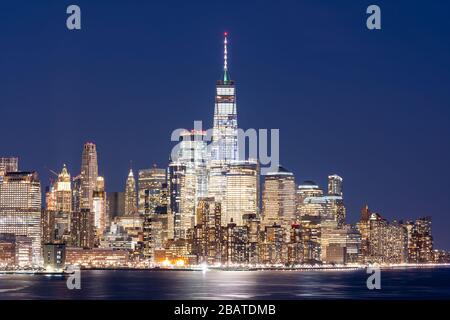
(279, 198)
(89, 174)
(225, 128)
(224, 145)
(130, 195)
(335, 185)
(20, 208)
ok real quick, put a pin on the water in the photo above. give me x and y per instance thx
(433, 283)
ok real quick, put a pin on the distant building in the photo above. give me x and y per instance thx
(386, 243)
(115, 204)
(192, 155)
(278, 199)
(273, 248)
(152, 189)
(420, 241)
(182, 220)
(16, 250)
(56, 226)
(20, 208)
(336, 254)
(130, 195)
(155, 231)
(54, 256)
(99, 204)
(88, 176)
(208, 232)
(242, 192)
(335, 185)
(82, 229)
(96, 257)
(8, 164)
(59, 196)
(312, 202)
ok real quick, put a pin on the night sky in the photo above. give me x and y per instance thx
(371, 106)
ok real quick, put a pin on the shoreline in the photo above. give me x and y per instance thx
(225, 269)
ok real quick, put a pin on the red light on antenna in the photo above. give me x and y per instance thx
(225, 34)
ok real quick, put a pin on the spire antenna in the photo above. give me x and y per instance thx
(225, 57)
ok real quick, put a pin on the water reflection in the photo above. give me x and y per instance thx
(395, 284)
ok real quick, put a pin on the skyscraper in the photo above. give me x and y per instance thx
(8, 164)
(61, 198)
(56, 216)
(278, 201)
(335, 185)
(241, 193)
(310, 200)
(20, 208)
(192, 155)
(101, 220)
(207, 235)
(152, 189)
(115, 204)
(224, 138)
(130, 195)
(420, 241)
(89, 174)
(224, 145)
(182, 221)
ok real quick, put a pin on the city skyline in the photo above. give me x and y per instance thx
(205, 209)
(391, 201)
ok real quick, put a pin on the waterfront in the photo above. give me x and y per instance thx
(428, 283)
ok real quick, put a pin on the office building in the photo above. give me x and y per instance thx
(88, 176)
(20, 208)
(242, 192)
(279, 198)
(130, 195)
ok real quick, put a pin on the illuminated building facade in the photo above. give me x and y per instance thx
(101, 219)
(54, 256)
(56, 216)
(224, 145)
(176, 178)
(88, 176)
(16, 250)
(225, 127)
(242, 192)
(8, 164)
(152, 189)
(207, 235)
(420, 241)
(312, 202)
(387, 243)
(55, 226)
(130, 195)
(64, 191)
(279, 198)
(273, 248)
(190, 178)
(309, 202)
(335, 185)
(82, 229)
(20, 208)
(97, 257)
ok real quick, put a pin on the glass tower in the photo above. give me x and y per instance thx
(89, 174)
(225, 128)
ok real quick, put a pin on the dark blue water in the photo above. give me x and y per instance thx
(395, 284)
